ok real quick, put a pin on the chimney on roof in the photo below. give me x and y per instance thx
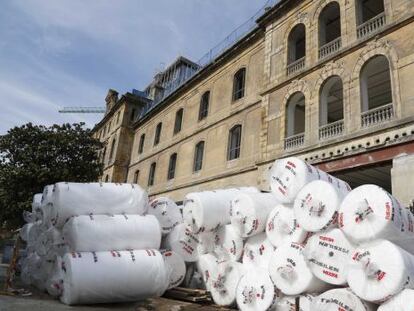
(111, 99)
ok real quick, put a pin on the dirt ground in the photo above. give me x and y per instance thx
(43, 302)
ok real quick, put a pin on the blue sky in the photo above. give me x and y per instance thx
(56, 53)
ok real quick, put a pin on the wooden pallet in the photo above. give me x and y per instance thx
(189, 295)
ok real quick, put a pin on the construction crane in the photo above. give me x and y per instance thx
(83, 110)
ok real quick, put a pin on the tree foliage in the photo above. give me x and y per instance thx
(32, 156)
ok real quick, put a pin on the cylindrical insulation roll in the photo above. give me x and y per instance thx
(404, 301)
(176, 266)
(207, 210)
(369, 212)
(207, 265)
(255, 291)
(24, 231)
(328, 254)
(36, 203)
(290, 273)
(228, 243)
(54, 284)
(74, 199)
(282, 226)
(288, 176)
(47, 205)
(224, 285)
(340, 299)
(207, 242)
(293, 303)
(167, 213)
(184, 242)
(249, 212)
(257, 252)
(316, 205)
(380, 270)
(101, 277)
(119, 232)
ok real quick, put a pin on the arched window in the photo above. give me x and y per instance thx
(136, 176)
(157, 134)
(151, 175)
(111, 153)
(171, 166)
(376, 91)
(330, 30)
(141, 144)
(239, 82)
(204, 103)
(331, 108)
(178, 120)
(295, 118)
(198, 156)
(233, 148)
(107, 178)
(296, 49)
(104, 155)
(370, 16)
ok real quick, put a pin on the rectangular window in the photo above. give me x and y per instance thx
(157, 134)
(233, 151)
(136, 176)
(204, 103)
(239, 83)
(151, 176)
(171, 166)
(132, 116)
(178, 121)
(141, 144)
(198, 156)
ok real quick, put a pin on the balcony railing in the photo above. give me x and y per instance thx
(294, 141)
(296, 66)
(331, 130)
(371, 26)
(330, 48)
(377, 115)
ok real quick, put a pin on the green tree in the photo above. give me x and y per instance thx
(32, 156)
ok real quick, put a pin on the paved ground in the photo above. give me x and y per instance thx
(42, 302)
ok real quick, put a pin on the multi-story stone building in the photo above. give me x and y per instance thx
(327, 80)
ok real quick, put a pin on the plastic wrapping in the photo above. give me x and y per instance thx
(340, 299)
(176, 267)
(369, 213)
(229, 245)
(118, 232)
(74, 199)
(24, 231)
(47, 205)
(207, 210)
(328, 254)
(224, 285)
(184, 242)
(293, 303)
(255, 291)
(316, 205)
(282, 226)
(206, 242)
(290, 273)
(167, 213)
(257, 252)
(404, 301)
(101, 277)
(249, 212)
(208, 267)
(288, 176)
(379, 271)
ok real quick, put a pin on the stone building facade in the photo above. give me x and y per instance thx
(325, 80)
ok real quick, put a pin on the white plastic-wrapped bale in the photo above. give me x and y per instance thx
(115, 276)
(36, 206)
(257, 252)
(54, 284)
(47, 241)
(206, 242)
(282, 226)
(288, 176)
(74, 199)
(328, 254)
(404, 301)
(184, 242)
(24, 231)
(290, 273)
(47, 205)
(369, 212)
(119, 232)
(177, 268)
(249, 212)
(228, 243)
(340, 299)
(316, 205)
(167, 212)
(380, 270)
(223, 289)
(256, 291)
(293, 303)
(208, 267)
(207, 210)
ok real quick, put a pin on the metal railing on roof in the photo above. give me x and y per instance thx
(213, 54)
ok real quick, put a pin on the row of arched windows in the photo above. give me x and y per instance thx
(370, 18)
(375, 90)
(233, 152)
(239, 82)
